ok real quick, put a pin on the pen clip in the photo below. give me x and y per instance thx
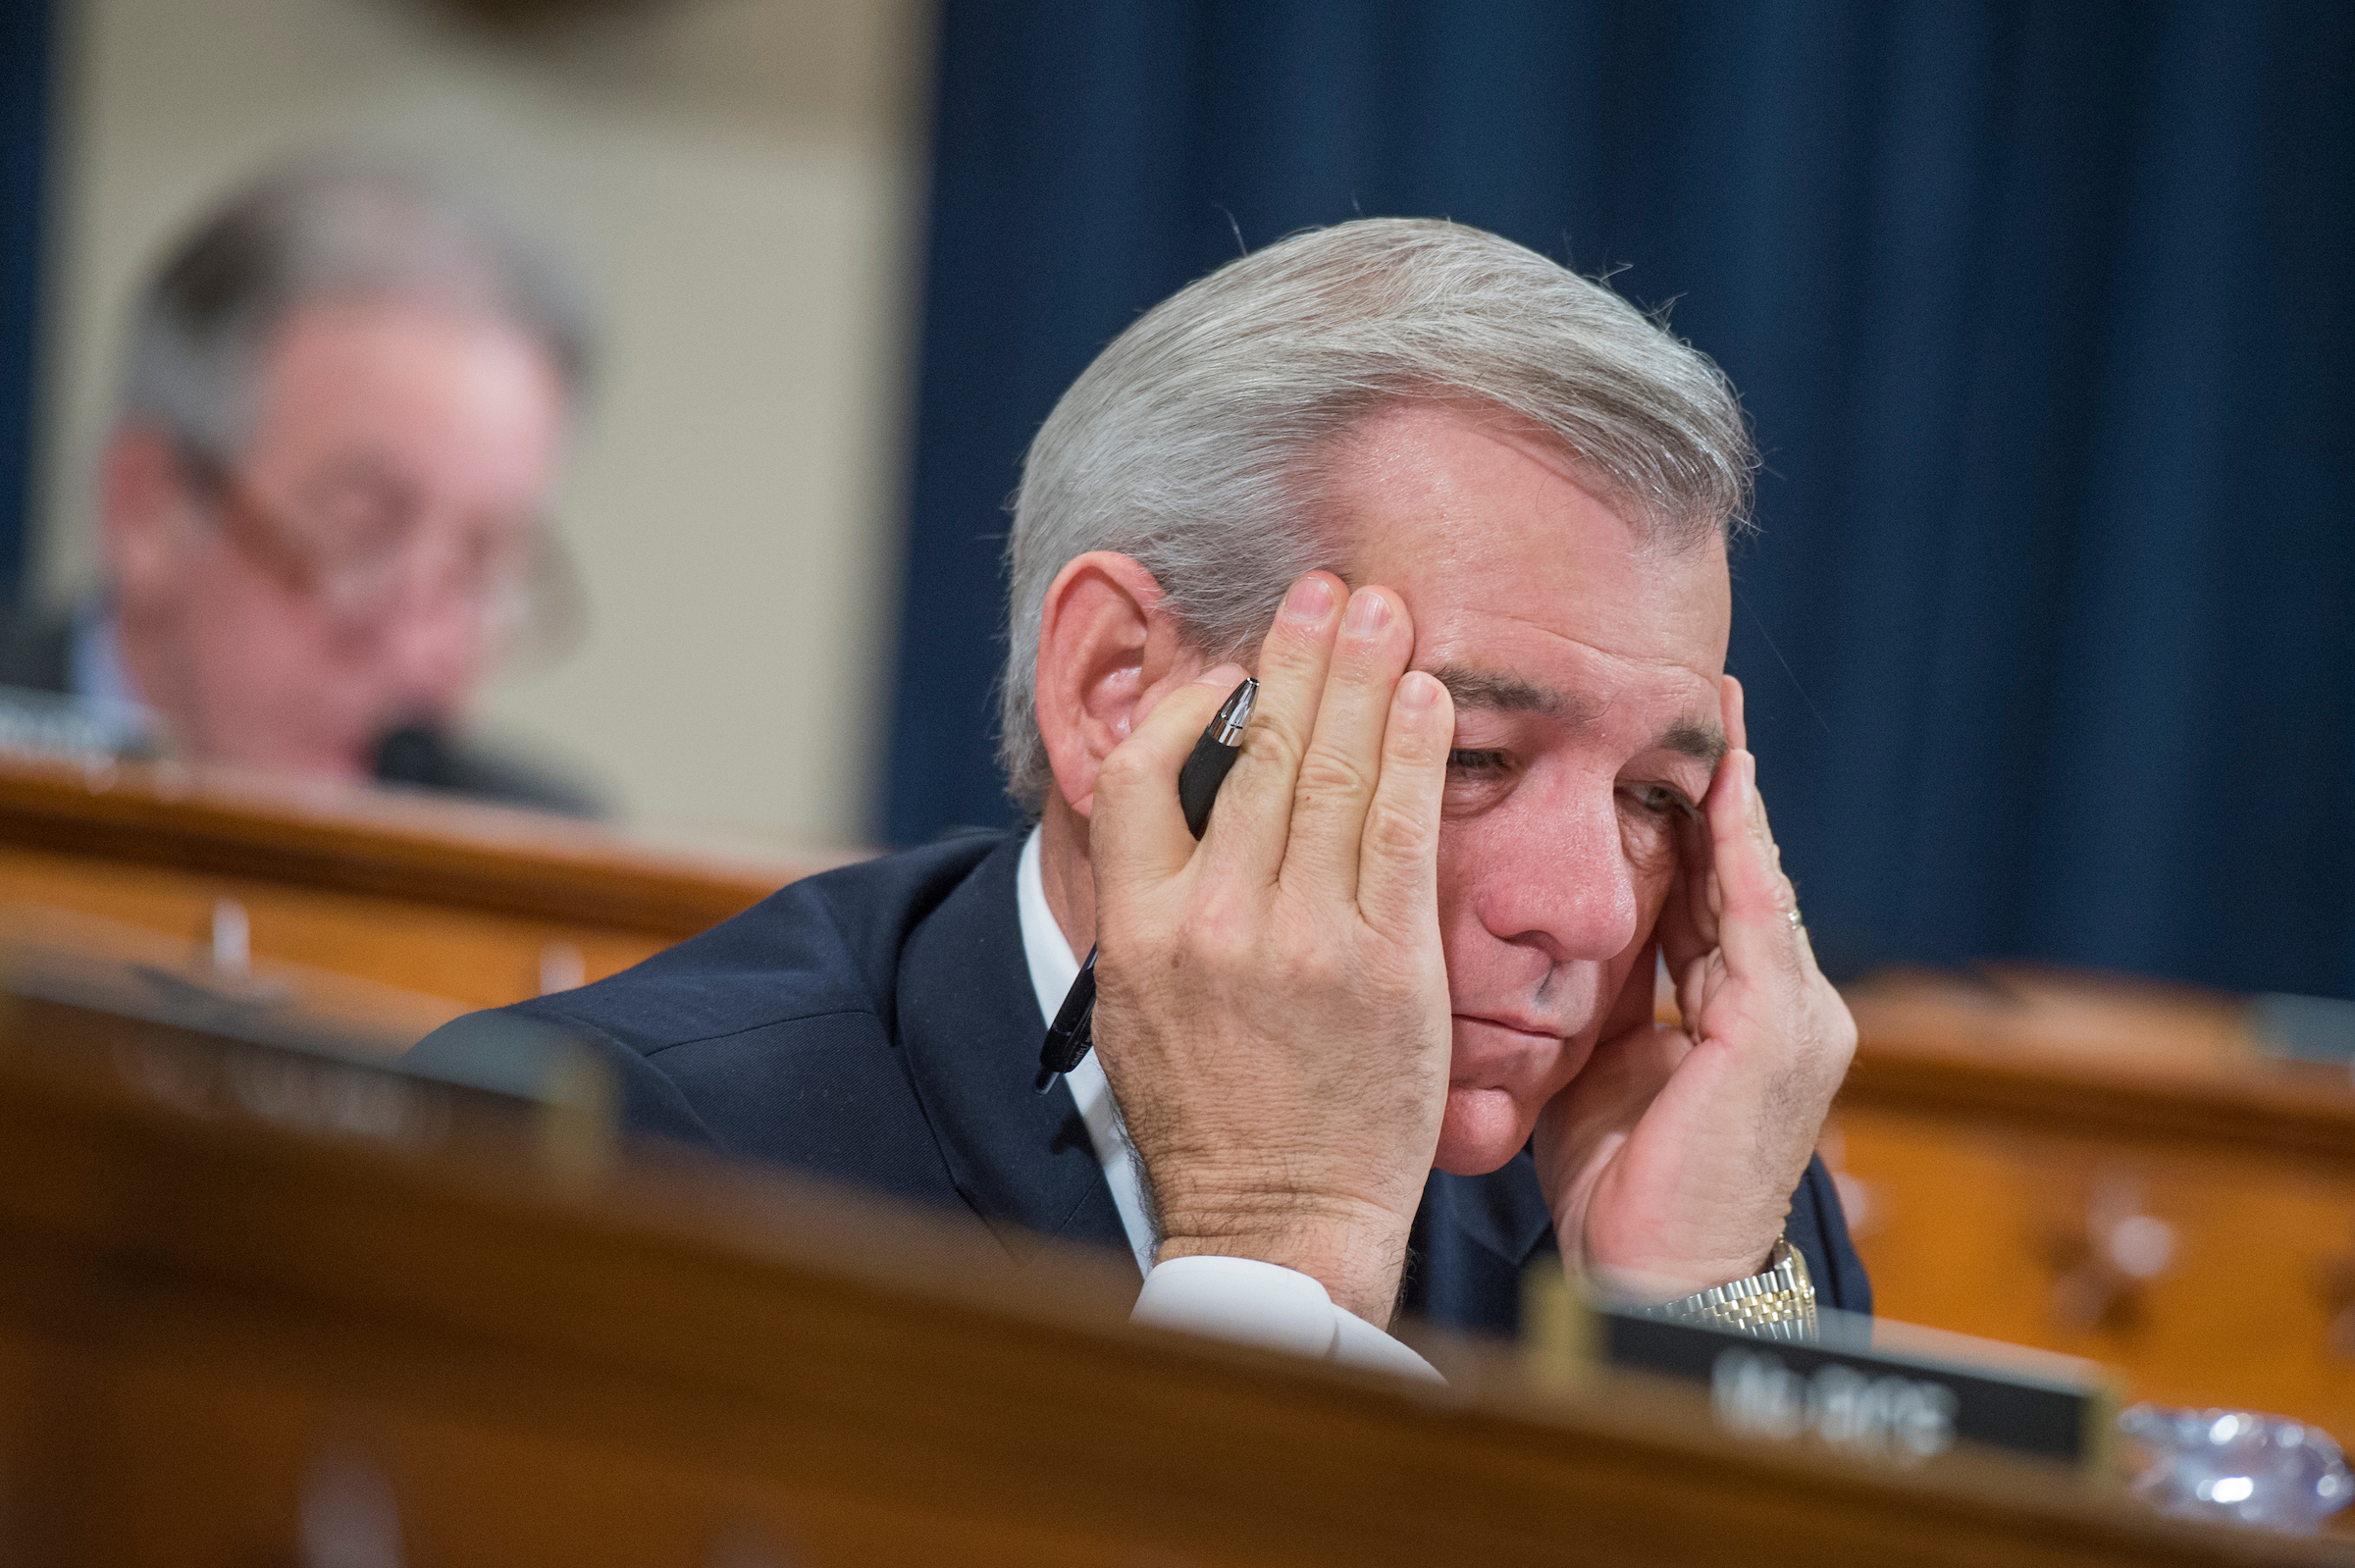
(1235, 712)
(1071, 1036)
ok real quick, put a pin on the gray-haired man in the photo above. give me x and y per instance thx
(321, 504)
(1397, 1002)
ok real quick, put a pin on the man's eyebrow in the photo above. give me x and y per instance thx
(1509, 694)
(1498, 693)
(1704, 742)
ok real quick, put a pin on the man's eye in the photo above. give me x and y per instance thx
(1660, 800)
(1483, 764)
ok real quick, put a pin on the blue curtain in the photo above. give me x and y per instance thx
(24, 137)
(2043, 311)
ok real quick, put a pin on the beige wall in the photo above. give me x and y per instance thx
(740, 181)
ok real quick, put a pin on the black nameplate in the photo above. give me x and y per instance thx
(1855, 1392)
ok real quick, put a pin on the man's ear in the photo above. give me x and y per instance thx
(146, 517)
(1107, 652)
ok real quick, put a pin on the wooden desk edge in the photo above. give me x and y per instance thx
(411, 846)
(2295, 1111)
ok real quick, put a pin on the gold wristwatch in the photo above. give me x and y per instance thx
(1779, 1304)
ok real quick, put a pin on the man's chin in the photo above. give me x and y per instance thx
(1480, 1129)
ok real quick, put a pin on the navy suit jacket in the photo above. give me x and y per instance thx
(877, 1025)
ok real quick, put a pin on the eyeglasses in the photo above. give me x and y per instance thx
(366, 558)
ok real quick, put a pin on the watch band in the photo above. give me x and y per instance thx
(1778, 1304)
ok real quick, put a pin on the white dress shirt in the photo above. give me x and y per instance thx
(100, 686)
(1227, 1298)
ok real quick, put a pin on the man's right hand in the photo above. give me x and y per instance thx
(1271, 1004)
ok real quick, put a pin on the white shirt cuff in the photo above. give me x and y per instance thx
(1266, 1304)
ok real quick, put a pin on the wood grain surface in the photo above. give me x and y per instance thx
(213, 1328)
(2109, 1169)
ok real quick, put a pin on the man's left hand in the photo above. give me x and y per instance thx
(1670, 1159)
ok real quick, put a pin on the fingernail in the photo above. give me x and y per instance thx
(1416, 691)
(1369, 612)
(1226, 677)
(1311, 600)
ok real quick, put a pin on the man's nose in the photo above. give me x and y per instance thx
(1561, 880)
(432, 651)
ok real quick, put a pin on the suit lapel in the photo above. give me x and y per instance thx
(1503, 1211)
(969, 1029)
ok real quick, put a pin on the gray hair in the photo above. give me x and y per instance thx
(328, 229)
(1193, 443)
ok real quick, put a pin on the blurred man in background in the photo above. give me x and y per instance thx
(324, 500)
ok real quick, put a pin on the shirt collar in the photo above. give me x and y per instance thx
(99, 684)
(1053, 969)
(94, 662)
(1052, 965)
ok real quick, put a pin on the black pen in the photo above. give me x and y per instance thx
(1072, 1033)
